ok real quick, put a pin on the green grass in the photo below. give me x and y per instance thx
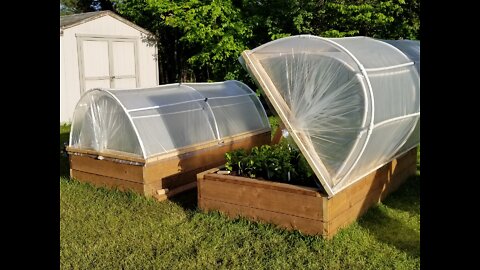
(108, 229)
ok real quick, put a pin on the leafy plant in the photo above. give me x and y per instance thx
(282, 162)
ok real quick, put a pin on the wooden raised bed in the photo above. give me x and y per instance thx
(301, 208)
(162, 176)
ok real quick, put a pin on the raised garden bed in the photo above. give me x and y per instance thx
(306, 209)
(161, 176)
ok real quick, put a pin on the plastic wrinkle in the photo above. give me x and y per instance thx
(157, 120)
(356, 100)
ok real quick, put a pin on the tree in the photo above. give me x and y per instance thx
(392, 19)
(198, 40)
(68, 7)
(151, 16)
(276, 19)
(214, 33)
(201, 40)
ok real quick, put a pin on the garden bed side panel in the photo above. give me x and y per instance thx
(177, 170)
(107, 172)
(301, 208)
(348, 205)
(171, 171)
(289, 206)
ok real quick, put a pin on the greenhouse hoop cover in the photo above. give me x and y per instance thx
(148, 122)
(351, 104)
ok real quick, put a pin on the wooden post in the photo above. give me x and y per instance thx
(278, 134)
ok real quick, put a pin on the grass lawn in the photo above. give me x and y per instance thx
(108, 229)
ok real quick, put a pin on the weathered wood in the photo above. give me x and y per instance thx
(263, 197)
(171, 170)
(308, 191)
(385, 179)
(105, 181)
(201, 146)
(182, 178)
(175, 191)
(305, 225)
(111, 154)
(107, 168)
(208, 157)
(277, 137)
(284, 204)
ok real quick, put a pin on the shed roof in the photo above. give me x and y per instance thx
(68, 21)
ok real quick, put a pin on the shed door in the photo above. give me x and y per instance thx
(108, 62)
(123, 54)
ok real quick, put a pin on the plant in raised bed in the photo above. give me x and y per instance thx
(282, 162)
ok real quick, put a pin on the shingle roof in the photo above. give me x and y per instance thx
(76, 18)
(68, 21)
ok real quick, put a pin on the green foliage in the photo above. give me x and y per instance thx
(201, 40)
(68, 7)
(281, 162)
(215, 32)
(392, 19)
(272, 20)
(274, 123)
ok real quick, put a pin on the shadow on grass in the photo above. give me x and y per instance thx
(407, 197)
(187, 200)
(384, 223)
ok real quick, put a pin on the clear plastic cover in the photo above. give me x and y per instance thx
(372, 53)
(409, 47)
(97, 121)
(351, 103)
(157, 120)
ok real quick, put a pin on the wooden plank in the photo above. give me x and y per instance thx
(225, 141)
(182, 178)
(209, 157)
(175, 191)
(356, 192)
(151, 188)
(278, 134)
(350, 216)
(308, 191)
(107, 168)
(107, 154)
(105, 181)
(199, 183)
(360, 207)
(358, 204)
(305, 225)
(261, 197)
(381, 179)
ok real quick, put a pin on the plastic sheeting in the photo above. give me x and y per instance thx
(351, 104)
(152, 121)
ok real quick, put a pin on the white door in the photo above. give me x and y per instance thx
(107, 62)
(123, 55)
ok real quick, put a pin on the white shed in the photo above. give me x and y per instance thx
(101, 49)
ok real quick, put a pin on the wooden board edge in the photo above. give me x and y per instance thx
(210, 144)
(175, 191)
(106, 154)
(308, 191)
(280, 220)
